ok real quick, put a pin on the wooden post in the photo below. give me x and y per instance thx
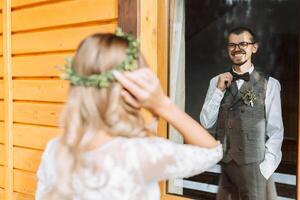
(128, 16)
(163, 66)
(298, 157)
(8, 99)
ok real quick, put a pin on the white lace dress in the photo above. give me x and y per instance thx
(128, 169)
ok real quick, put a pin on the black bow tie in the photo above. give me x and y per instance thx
(245, 76)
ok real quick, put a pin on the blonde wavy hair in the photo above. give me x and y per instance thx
(90, 109)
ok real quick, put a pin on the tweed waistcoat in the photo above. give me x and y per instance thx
(240, 127)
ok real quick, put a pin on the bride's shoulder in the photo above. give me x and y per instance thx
(52, 144)
(149, 140)
(149, 143)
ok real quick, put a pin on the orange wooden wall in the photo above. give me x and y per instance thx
(43, 33)
(2, 147)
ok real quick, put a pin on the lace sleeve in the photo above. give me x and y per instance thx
(162, 159)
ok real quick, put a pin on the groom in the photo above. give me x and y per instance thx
(245, 105)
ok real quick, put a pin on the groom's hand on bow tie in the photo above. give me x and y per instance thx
(224, 81)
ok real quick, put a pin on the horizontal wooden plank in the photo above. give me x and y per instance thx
(23, 135)
(1, 49)
(40, 90)
(36, 113)
(19, 196)
(55, 40)
(19, 3)
(2, 193)
(26, 159)
(1, 89)
(38, 65)
(2, 172)
(24, 182)
(2, 154)
(1, 110)
(173, 197)
(2, 132)
(1, 24)
(1, 66)
(79, 11)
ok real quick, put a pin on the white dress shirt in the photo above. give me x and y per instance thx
(274, 126)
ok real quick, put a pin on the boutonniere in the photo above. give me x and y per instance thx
(249, 97)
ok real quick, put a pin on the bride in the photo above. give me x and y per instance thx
(106, 151)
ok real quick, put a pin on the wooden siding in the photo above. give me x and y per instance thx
(42, 33)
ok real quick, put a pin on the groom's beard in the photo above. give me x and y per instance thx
(238, 63)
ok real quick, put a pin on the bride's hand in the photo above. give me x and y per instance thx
(142, 89)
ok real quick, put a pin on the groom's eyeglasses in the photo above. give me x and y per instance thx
(241, 45)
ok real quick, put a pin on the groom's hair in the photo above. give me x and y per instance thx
(240, 29)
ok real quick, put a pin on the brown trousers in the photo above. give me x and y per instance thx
(244, 182)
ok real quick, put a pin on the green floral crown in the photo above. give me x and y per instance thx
(104, 79)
